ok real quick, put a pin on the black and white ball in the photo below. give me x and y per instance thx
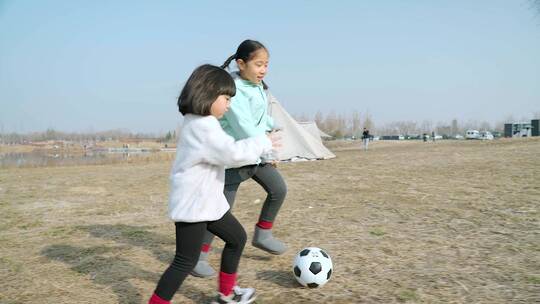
(312, 267)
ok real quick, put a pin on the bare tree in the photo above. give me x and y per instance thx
(485, 126)
(356, 124)
(471, 124)
(319, 118)
(426, 126)
(342, 125)
(331, 124)
(524, 119)
(407, 127)
(443, 128)
(302, 117)
(368, 121)
(510, 118)
(499, 126)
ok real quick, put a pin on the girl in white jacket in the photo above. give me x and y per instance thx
(196, 202)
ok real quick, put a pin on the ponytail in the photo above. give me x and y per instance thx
(244, 52)
(225, 65)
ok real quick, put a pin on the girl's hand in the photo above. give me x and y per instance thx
(275, 139)
(276, 143)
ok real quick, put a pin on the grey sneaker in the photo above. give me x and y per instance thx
(203, 268)
(263, 239)
(238, 295)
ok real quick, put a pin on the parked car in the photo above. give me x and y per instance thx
(496, 134)
(486, 135)
(472, 134)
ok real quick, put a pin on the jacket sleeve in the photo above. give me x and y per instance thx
(240, 119)
(221, 149)
(269, 123)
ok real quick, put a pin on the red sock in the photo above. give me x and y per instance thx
(155, 299)
(226, 282)
(205, 247)
(264, 224)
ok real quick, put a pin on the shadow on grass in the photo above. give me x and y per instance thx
(103, 270)
(257, 257)
(279, 277)
(136, 236)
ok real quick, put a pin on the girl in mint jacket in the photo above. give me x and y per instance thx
(248, 118)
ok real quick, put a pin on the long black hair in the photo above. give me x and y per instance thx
(245, 52)
(203, 87)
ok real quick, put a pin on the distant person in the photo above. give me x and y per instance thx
(248, 117)
(433, 136)
(196, 200)
(424, 136)
(365, 138)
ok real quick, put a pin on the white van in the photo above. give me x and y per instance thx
(486, 135)
(472, 134)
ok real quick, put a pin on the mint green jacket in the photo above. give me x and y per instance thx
(248, 112)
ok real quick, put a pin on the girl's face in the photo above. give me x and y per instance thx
(220, 106)
(255, 68)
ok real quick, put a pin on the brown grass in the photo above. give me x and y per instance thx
(450, 222)
(16, 148)
(74, 148)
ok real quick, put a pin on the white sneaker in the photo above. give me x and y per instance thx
(238, 295)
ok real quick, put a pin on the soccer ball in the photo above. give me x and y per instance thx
(312, 267)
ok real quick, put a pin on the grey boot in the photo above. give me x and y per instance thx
(203, 268)
(264, 240)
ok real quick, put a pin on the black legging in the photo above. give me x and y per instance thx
(189, 238)
(265, 175)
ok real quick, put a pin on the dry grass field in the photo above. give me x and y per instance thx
(406, 222)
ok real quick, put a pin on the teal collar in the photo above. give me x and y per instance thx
(239, 80)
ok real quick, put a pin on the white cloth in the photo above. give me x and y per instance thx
(198, 173)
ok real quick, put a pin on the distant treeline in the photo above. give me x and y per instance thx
(51, 134)
(336, 125)
(352, 124)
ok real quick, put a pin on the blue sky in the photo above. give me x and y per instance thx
(99, 65)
